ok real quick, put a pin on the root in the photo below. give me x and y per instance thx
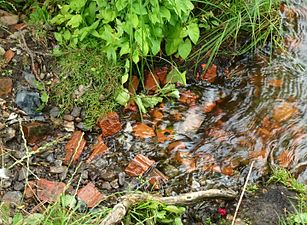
(120, 209)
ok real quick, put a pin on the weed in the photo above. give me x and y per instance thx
(89, 80)
(252, 188)
(283, 176)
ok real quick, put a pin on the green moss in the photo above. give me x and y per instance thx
(89, 80)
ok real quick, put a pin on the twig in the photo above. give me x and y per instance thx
(243, 192)
(120, 209)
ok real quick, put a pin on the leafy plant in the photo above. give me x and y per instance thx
(44, 96)
(134, 28)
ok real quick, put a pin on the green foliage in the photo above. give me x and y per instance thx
(153, 212)
(132, 28)
(44, 96)
(89, 80)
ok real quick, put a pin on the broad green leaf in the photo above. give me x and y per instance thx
(58, 37)
(185, 48)
(174, 209)
(193, 32)
(175, 76)
(174, 94)
(90, 12)
(134, 19)
(121, 4)
(124, 78)
(135, 56)
(124, 48)
(151, 101)
(75, 21)
(178, 221)
(165, 13)
(77, 5)
(66, 35)
(140, 105)
(155, 46)
(17, 219)
(139, 8)
(122, 96)
(68, 201)
(161, 214)
(44, 97)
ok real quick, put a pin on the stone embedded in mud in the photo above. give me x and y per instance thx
(28, 101)
(157, 178)
(98, 150)
(186, 159)
(110, 124)
(188, 97)
(7, 18)
(6, 86)
(138, 166)
(142, 130)
(284, 112)
(74, 147)
(90, 195)
(164, 135)
(35, 132)
(13, 197)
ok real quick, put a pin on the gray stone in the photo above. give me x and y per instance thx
(12, 197)
(121, 178)
(108, 175)
(114, 184)
(82, 126)
(57, 169)
(2, 51)
(76, 111)
(28, 101)
(68, 117)
(8, 134)
(30, 78)
(5, 184)
(18, 186)
(69, 126)
(22, 174)
(54, 112)
(106, 186)
(84, 175)
(2, 126)
(50, 158)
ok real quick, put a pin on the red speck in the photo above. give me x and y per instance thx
(222, 212)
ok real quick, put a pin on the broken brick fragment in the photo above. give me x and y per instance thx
(210, 73)
(133, 85)
(188, 97)
(144, 131)
(98, 149)
(90, 195)
(110, 124)
(9, 55)
(138, 166)
(165, 135)
(30, 190)
(35, 132)
(157, 178)
(175, 146)
(186, 159)
(74, 147)
(6, 86)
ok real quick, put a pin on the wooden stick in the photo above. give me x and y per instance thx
(120, 209)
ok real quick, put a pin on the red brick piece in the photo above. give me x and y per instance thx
(98, 149)
(49, 191)
(35, 132)
(90, 195)
(138, 166)
(74, 147)
(110, 124)
(156, 178)
(6, 86)
(210, 74)
(142, 130)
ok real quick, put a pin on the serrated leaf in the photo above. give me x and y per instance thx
(193, 32)
(75, 21)
(185, 48)
(151, 101)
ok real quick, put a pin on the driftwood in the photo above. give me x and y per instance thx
(120, 209)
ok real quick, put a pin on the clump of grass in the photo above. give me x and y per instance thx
(242, 26)
(89, 80)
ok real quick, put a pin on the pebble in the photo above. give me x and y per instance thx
(28, 101)
(54, 112)
(5, 184)
(106, 186)
(2, 126)
(8, 134)
(2, 51)
(18, 186)
(108, 175)
(57, 169)
(114, 184)
(76, 111)
(50, 158)
(69, 126)
(84, 175)
(171, 171)
(121, 178)
(68, 118)
(22, 174)
(81, 126)
(30, 78)
(12, 197)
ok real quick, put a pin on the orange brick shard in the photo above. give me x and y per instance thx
(110, 124)
(74, 147)
(90, 195)
(138, 166)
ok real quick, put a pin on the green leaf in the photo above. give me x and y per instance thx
(34, 219)
(178, 221)
(17, 219)
(66, 35)
(124, 48)
(134, 19)
(75, 21)
(185, 48)
(175, 76)
(193, 32)
(121, 4)
(165, 13)
(122, 96)
(58, 36)
(44, 97)
(124, 78)
(68, 201)
(140, 105)
(174, 209)
(151, 101)
(135, 56)
(77, 5)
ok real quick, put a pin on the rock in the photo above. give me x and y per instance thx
(2, 51)
(5, 184)
(30, 78)
(68, 118)
(8, 134)
(171, 171)
(114, 184)
(50, 158)
(6, 86)
(110, 124)
(28, 101)
(18, 186)
(76, 111)
(121, 178)
(22, 174)
(90, 195)
(57, 169)
(36, 132)
(106, 185)
(98, 150)
(138, 166)
(56, 122)
(74, 147)
(12, 197)
(108, 175)
(84, 175)
(82, 126)
(69, 126)
(284, 112)
(8, 19)
(54, 112)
